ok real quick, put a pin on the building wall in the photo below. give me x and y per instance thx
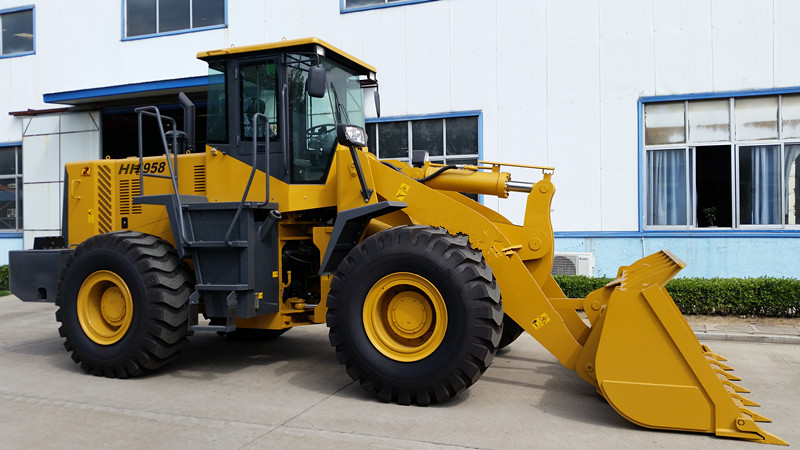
(557, 83)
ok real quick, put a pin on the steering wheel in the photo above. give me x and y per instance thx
(316, 135)
(320, 130)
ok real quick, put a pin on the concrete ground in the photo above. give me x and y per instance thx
(292, 393)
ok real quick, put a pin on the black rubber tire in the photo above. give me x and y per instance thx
(468, 289)
(511, 331)
(159, 284)
(252, 334)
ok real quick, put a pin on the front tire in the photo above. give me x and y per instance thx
(415, 315)
(122, 304)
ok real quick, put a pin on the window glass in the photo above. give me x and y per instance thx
(141, 17)
(428, 135)
(10, 188)
(709, 120)
(790, 114)
(393, 139)
(351, 4)
(791, 165)
(17, 32)
(462, 135)
(759, 175)
(217, 121)
(664, 123)
(173, 15)
(8, 162)
(730, 182)
(756, 118)
(666, 187)
(259, 94)
(371, 136)
(207, 13)
(149, 17)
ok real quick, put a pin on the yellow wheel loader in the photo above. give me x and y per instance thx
(286, 219)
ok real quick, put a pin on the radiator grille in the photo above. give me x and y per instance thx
(127, 190)
(104, 199)
(200, 179)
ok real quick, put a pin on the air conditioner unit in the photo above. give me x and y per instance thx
(573, 263)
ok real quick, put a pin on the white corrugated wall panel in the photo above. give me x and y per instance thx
(683, 50)
(743, 49)
(787, 36)
(42, 207)
(40, 159)
(385, 46)
(522, 119)
(573, 113)
(626, 73)
(428, 58)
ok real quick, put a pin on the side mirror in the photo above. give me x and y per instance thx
(377, 103)
(316, 82)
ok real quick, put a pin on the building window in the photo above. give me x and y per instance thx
(16, 38)
(448, 140)
(144, 18)
(729, 162)
(360, 5)
(11, 188)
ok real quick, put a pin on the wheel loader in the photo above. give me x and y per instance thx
(286, 219)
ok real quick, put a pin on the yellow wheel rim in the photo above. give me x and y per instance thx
(105, 307)
(405, 317)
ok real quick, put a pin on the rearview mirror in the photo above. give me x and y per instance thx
(316, 82)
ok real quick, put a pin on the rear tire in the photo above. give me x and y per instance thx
(415, 315)
(511, 331)
(122, 304)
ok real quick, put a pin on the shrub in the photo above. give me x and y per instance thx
(767, 297)
(4, 278)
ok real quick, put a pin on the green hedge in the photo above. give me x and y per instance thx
(4, 278)
(766, 297)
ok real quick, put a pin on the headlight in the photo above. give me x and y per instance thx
(352, 135)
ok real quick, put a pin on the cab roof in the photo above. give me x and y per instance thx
(311, 44)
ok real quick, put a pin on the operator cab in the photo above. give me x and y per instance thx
(305, 88)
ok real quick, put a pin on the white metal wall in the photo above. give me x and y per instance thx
(557, 81)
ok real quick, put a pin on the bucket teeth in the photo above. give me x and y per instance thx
(745, 401)
(719, 364)
(734, 386)
(727, 375)
(757, 417)
(708, 352)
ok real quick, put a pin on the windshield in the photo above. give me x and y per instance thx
(313, 121)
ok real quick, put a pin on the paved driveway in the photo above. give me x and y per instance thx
(293, 393)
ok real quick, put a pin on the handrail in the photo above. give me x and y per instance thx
(254, 123)
(152, 111)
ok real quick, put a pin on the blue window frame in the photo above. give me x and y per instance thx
(450, 138)
(17, 35)
(720, 162)
(347, 6)
(151, 18)
(10, 187)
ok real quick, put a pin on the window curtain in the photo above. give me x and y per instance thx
(667, 187)
(760, 197)
(791, 183)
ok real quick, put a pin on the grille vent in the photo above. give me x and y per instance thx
(104, 199)
(127, 190)
(200, 179)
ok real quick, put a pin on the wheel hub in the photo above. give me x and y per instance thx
(104, 307)
(405, 317)
(112, 305)
(410, 314)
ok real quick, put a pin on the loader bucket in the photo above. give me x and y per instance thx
(648, 364)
